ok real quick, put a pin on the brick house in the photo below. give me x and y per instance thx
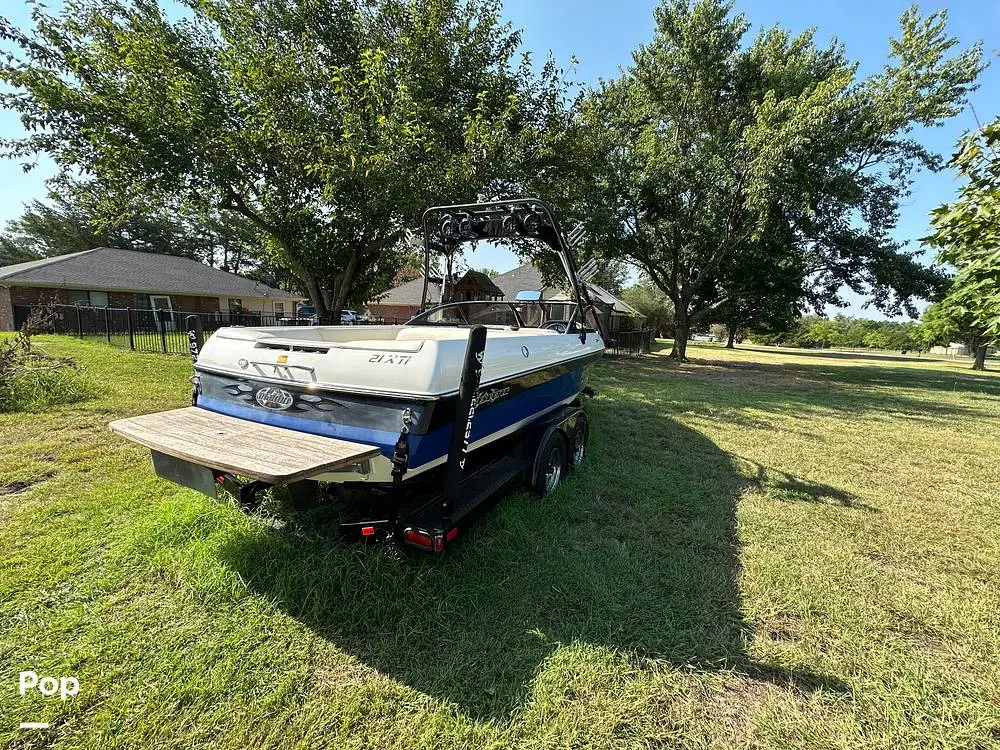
(110, 277)
(401, 303)
(616, 314)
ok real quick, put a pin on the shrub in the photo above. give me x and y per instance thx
(30, 378)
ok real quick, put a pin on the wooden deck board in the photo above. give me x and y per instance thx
(272, 454)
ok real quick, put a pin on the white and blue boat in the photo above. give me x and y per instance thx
(362, 383)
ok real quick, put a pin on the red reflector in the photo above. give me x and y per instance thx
(367, 530)
(418, 538)
(452, 534)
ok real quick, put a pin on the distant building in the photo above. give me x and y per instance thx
(403, 302)
(958, 349)
(111, 277)
(616, 313)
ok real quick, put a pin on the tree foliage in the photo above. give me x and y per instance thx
(64, 224)
(948, 321)
(967, 235)
(652, 303)
(843, 331)
(328, 124)
(707, 147)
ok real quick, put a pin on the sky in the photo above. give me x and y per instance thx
(601, 35)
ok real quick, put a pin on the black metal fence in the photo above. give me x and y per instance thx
(166, 330)
(152, 330)
(630, 343)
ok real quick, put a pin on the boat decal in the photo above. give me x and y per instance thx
(491, 395)
(391, 359)
(314, 404)
(277, 399)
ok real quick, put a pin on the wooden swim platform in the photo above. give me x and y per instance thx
(237, 446)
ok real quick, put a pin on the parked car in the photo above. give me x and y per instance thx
(702, 337)
(306, 313)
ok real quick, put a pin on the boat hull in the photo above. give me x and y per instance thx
(501, 407)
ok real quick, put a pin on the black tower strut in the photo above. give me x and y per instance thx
(196, 340)
(465, 410)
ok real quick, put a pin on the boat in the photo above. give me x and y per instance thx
(370, 384)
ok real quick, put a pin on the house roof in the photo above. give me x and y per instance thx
(527, 277)
(409, 293)
(522, 278)
(114, 269)
(617, 305)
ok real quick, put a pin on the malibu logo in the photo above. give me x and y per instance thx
(274, 398)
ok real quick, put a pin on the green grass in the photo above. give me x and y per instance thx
(765, 549)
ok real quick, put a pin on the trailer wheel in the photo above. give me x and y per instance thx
(551, 464)
(578, 445)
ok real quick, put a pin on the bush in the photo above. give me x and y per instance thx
(30, 378)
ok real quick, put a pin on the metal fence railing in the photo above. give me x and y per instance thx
(142, 330)
(630, 343)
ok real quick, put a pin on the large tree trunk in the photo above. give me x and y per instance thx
(980, 362)
(731, 343)
(682, 326)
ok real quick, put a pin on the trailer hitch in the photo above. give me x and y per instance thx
(244, 492)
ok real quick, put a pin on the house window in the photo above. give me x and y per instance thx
(279, 309)
(235, 305)
(88, 299)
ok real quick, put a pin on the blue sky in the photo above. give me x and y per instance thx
(602, 34)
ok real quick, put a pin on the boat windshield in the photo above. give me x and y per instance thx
(519, 314)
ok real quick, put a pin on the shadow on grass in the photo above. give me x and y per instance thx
(793, 488)
(637, 553)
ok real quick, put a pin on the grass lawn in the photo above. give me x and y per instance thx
(766, 549)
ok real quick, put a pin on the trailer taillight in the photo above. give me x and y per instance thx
(452, 534)
(418, 538)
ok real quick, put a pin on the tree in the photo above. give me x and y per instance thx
(328, 125)
(760, 288)
(66, 224)
(705, 144)
(649, 301)
(947, 321)
(967, 235)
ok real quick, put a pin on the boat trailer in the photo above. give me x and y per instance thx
(204, 450)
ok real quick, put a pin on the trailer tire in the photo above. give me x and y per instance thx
(551, 463)
(579, 443)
